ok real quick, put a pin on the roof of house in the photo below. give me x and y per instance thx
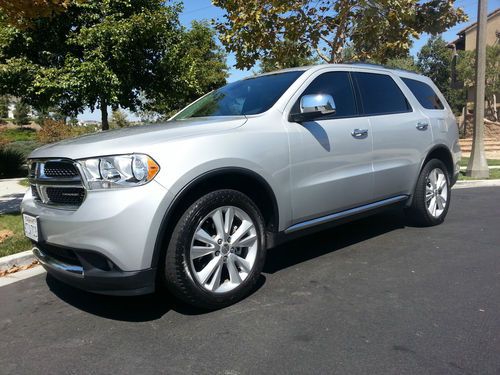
(473, 25)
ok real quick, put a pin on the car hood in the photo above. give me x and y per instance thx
(135, 139)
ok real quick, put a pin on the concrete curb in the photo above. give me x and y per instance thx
(475, 183)
(20, 259)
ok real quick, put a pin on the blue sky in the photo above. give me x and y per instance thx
(203, 9)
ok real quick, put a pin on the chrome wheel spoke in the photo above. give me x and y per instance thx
(202, 236)
(218, 222)
(243, 263)
(201, 251)
(247, 241)
(432, 206)
(215, 282)
(234, 274)
(241, 231)
(228, 220)
(208, 270)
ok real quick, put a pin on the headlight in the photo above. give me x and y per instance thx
(118, 171)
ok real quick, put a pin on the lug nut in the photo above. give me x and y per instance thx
(232, 250)
(229, 239)
(217, 253)
(225, 258)
(219, 241)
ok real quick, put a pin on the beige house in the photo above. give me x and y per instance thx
(466, 41)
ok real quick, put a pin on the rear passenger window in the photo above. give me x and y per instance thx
(424, 94)
(380, 94)
(336, 84)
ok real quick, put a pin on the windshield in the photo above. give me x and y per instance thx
(247, 97)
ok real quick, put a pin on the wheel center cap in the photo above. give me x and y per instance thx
(225, 249)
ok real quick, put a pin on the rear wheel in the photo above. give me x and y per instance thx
(216, 252)
(431, 198)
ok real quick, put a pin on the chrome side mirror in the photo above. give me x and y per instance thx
(314, 107)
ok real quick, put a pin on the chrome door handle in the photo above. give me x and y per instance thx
(359, 133)
(422, 125)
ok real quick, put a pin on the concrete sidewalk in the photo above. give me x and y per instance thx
(11, 195)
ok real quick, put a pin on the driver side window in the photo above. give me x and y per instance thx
(336, 84)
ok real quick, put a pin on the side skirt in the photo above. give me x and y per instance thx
(328, 221)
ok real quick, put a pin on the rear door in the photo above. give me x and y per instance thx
(401, 133)
(331, 167)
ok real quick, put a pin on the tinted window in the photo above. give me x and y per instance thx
(424, 94)
(336, 84)
(380, 94)
(246, 97)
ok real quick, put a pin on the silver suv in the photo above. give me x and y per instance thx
(193, 204)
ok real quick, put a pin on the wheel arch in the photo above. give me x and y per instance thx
(237, 178)
(440, 152)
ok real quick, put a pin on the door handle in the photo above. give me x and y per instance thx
(422, 125)
(359, 133)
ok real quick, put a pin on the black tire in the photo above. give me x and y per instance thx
(417, 212)
(179, 275)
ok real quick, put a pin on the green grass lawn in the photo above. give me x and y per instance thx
(494, 174)
(16, 243)
(20, 134)
(491, 162)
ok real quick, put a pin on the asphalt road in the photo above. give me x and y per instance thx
(372, 297)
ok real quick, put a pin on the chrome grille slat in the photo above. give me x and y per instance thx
(57, 183)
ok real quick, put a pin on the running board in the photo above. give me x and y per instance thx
(344, 214)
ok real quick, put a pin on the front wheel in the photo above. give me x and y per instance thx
(216, 252)
(431, 199)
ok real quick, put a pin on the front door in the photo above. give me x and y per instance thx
(331, 158)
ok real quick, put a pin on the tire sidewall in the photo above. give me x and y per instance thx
(182, 245)
(430, 166)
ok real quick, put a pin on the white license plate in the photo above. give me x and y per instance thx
(30, 227)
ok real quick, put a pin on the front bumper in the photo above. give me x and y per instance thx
(119, 227)
(91, 272)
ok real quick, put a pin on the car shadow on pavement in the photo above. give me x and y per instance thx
(333, 239)
(154, 306)
(131, 309)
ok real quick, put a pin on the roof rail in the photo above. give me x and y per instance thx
(368, 64)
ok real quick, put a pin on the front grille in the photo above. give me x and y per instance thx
(68, 196)
(59, 169)
(56, 183)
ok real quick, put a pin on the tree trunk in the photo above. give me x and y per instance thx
(104, 114)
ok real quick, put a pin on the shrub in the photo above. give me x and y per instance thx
(53, 131)
(11, 164)
(23, 147)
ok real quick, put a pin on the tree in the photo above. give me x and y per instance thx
(132, 54)
(21, 114)
(119, 119)
(466, 73)
(277, 58)
(22, 13)
(435, 61)
(4, 106)
(200, 68)
(376, 29)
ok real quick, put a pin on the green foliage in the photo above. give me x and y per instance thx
(376, 29)
(435, 61)
(133, 54)
(23, 147)
(21, 114)
(119, 119)
(278, 58)
(19, 134)
(4, 106)
(466, 72)
(11, 163)
(405, 63)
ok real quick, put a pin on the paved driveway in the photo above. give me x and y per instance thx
(372, 297)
